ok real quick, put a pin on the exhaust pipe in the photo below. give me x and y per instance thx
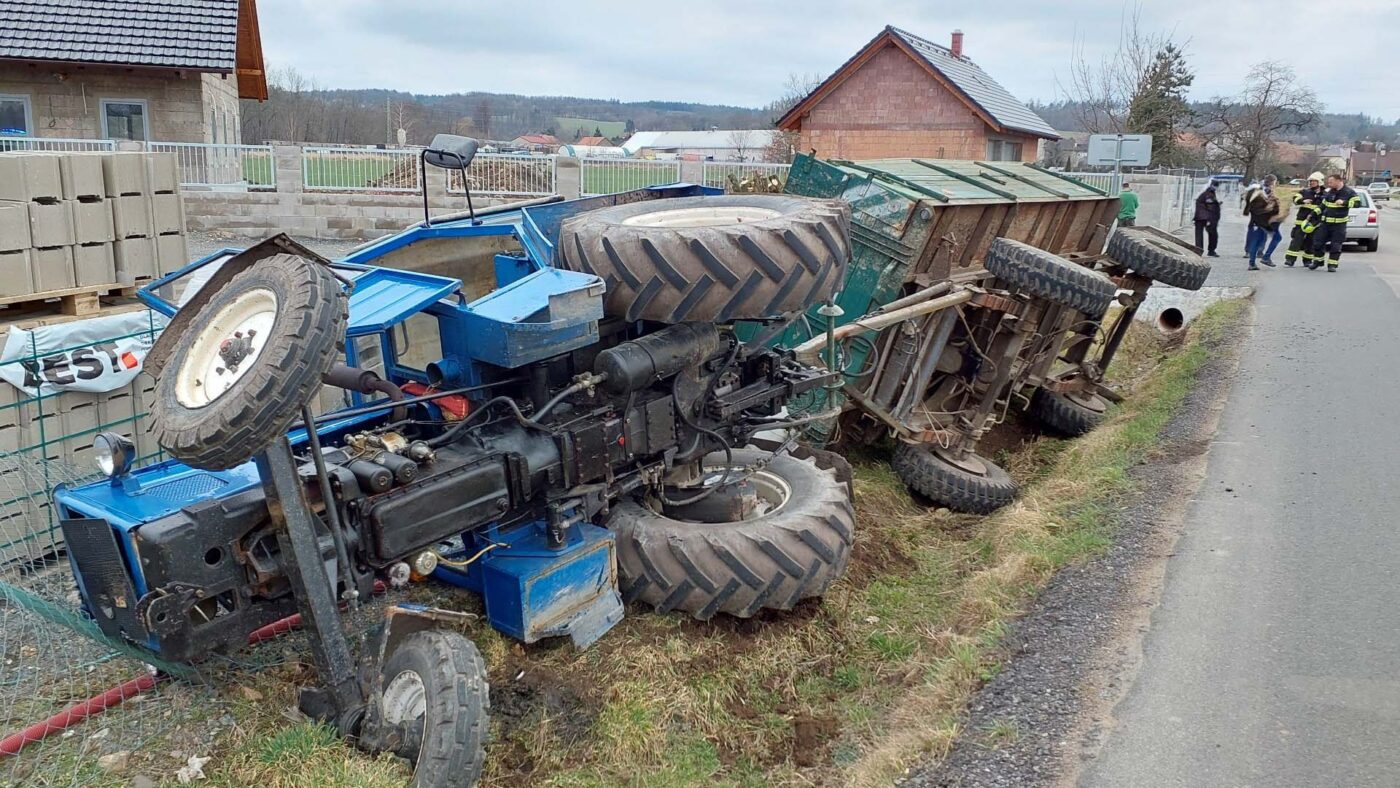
(1170, 321)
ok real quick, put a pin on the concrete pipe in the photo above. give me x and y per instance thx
(1170, 321)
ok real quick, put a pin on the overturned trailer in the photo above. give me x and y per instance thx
(974, 287)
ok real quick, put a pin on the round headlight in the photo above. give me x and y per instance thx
(114, 453)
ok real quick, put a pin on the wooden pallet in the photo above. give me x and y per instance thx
(72, 301)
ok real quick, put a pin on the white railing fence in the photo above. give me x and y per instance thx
(327, 168)
(59, 144)
(1099, 180)
(504, 175)
(609, 176)
(745, 177)
(207, 165)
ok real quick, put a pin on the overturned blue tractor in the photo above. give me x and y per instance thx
(546, 405)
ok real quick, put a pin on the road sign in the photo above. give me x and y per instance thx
(1132, 150)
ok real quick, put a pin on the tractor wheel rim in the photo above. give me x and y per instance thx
(772, 492)
(226, 349)
(702, 216)
(405, 698)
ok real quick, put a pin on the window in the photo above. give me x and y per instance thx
(15, 117)
(124, 119)
(1003, 150)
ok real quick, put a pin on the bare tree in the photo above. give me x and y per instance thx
(1242, 128)
(481, 116)
(1138, 88)
(739, 141)
(783, 144)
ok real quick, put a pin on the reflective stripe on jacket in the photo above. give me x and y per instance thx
(1337, 204)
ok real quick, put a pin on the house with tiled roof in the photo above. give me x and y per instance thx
(154, 70)
(902, 96)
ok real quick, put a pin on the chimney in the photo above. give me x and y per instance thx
(957, 43)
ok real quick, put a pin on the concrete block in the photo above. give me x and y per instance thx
(124, 173)
(135, 258)
(171, 253)
(16, 273)
(53, 269)
(94, 264)
(51, 223)
(14, 226)
(131, 216)
(81, 175)
(92, 221)
(167, 214)
(30, 176)
(163, 172)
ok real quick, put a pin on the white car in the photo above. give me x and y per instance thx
(1364, 224)
(1379, 190)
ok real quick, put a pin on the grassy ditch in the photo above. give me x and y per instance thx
(849, 690)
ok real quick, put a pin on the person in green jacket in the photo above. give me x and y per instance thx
(1127, 206)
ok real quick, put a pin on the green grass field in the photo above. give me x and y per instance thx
(612, 178)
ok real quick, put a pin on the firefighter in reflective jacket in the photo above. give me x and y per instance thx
(1337, 203)
(1309, 203)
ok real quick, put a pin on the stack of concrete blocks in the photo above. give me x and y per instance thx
(36, 226)
(46, 441)
(167, 213)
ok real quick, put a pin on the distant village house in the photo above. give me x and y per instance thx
(94, 69)
(904, 96)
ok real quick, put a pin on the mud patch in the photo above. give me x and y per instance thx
(527, 699)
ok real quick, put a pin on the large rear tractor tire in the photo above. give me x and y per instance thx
(435, 682)
(1051, 277)
(1070, 415)
(978, 486)
(714, 259)
(251, 358)
(772, 560)
(1158, 259)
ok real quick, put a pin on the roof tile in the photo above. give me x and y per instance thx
(199, 34)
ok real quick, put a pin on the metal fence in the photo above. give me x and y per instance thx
(1099, 180)
(504, 175)
(609, 176)
(359, 169)
(207, 165)
(60, 144)
(745, 177)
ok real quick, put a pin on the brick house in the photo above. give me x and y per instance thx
(150, 70)
(904, 96)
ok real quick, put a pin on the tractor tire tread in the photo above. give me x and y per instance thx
(1049, 276)
(739, 271)
(772, 562)
(950, 486)
(1063, 415)
(1157, 259)
(453, 750)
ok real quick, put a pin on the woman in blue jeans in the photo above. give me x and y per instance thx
(1263, 236)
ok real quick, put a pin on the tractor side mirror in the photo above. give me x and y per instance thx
(448, 152)
(451, 152)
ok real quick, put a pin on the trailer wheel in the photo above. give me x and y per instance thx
(1068, 414)
(980, 488)
(706, 565)
(255, 354)
(1050, 276)
(722, 258)
(1158, 259)
(435, 682)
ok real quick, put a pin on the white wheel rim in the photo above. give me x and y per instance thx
(773, 491)
(226, 349)
(703, 216)
(405, 698)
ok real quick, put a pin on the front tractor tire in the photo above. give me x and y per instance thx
(976, 486)
(771, 561)
(713, 259)
(253, 355)
(435, 683)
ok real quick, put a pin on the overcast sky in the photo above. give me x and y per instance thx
(742, 51)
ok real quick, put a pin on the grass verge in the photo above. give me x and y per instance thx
(849, 690)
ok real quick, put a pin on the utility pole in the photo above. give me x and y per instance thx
(388, 123)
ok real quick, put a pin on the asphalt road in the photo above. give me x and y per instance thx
(1273, 658)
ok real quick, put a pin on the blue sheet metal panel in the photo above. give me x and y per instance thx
(385, 296)
(541, 223)
(541, 315)
(498, 224)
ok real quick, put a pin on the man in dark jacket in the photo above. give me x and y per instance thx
(1208, 219)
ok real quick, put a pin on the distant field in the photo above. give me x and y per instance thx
(625, 176)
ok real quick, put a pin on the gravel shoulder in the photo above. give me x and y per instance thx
(1071, 658)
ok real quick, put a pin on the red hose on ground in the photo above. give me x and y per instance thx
(75, 714)
(129, 689)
